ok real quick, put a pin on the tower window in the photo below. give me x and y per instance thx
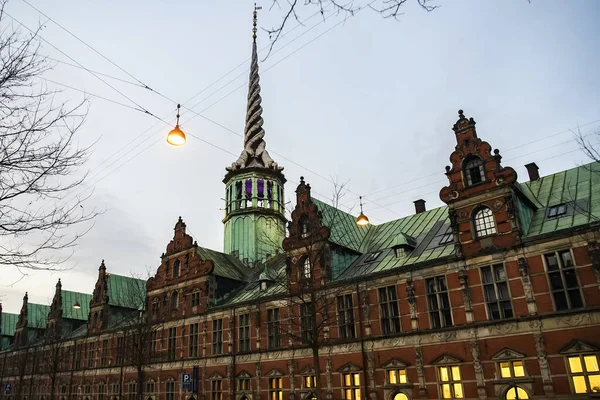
(473, 170)
(248, 201)
(176, 269)
(484, 222)
(238, 195)
(270, 193)
(174, 301)
(260, 190)
(304, 226)
(306, 269)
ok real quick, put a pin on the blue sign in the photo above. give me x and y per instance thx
(7, 388)
(186, 382)
(195, 379)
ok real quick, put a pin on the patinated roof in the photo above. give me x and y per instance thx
(37, 315)
(226, 265)
(9, 324)
(126, 292)
(69, 299)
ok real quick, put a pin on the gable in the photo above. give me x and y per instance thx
(274, 372)
(446, 359)
(243, 375)
(308, 371)
(507, 354)
(349, 367)
(578, 347)
(215, 375)
(393, 363)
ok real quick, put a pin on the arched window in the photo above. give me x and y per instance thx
(483, 221)
(303, 223)
(400, 396)
(306, 269)
(515, 393)
(473, 171)
(176, 269)
(174, 300)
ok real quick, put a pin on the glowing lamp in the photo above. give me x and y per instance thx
(362, 219)
(76, 306)
(176, 137)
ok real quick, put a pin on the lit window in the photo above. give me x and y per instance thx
(400, 396)
(563, 280)
(556, 211)
(585, 374)
(484, 222)
(275, 389)
(310, 381)
(512, 369)
(450, 386)
(306, 269)
(396, 376)
(495, 288)
(473, 170)
(516, 393)
(351, 386)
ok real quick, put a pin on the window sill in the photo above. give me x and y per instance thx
(504, 381)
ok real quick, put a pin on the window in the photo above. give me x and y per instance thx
(244, 332)
(438, 302)
(275, 389)
(372, 256)
(176, 269)
(149, 387)
(450, 386)
(495, 288)
(91, 354)
(310, 381)
(174, 301)
(351, 386)
(114, 388)
(101, 391)
(346, 316)
(448, 236)
(120, 348)
(388, 307)
(193, 345)
(516, 393)
(400, 396)
(171, 343)
(556, 211)
(396, 376)
(306, 268)
(170, 389)
(563, 280)
(131, 390)
(243, 384)
(473, 170)
(216, 389)
(104, 359)
(511, 369)
(585, 374)
(304, 226)
(195, 299)
(306, 322)
(274, 327)
(217, 336)
(484, 222)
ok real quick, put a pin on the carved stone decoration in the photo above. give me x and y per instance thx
(291, 369)
(328, 378)
(410, 292)
(574, 320)
(463, 278)
(420, 372)
(258, 375)
(479, 375)
(544, 366)
(371, 376)
(528, 289)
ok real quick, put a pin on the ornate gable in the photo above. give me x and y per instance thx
(215, 376)
(308, 371)
(578, 347)
(393, 363)
(274, 372)
(243, 375)
(446, 359)
(508, 354)
(349, 367)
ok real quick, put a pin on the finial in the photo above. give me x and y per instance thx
(254, 21)
(460, 113)
(302, 180)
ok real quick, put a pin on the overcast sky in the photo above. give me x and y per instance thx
(368, 101)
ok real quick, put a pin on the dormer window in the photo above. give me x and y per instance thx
(263, 285)
(176, 269)
(483, 221)
(557, 211)
(473, 171)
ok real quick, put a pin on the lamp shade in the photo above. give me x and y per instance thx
(362, 220)
(176, 137)
(76, 306)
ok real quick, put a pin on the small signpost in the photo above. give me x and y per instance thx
(7, 388)
(186, 382)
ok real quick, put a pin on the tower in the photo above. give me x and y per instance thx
(254, 202)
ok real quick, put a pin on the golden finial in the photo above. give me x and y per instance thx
(254, 21)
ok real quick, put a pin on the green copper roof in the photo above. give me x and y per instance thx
(9, 324)
(37, 315)
(69, 299)
(126, 292)
(344, 231)
(226, 266)
(575, 189)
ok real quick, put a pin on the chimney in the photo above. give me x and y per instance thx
(419, 206)
(533, 171)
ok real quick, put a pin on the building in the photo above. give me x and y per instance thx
(494, 296)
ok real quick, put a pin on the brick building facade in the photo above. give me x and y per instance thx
(494, 296)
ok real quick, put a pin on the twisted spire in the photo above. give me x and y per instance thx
(254, 153)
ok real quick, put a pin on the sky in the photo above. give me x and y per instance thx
(360, 100)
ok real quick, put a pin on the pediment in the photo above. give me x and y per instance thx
(508, 354)
(446, 359)
(216, 375)
(349, 367)
(274, 372)
(243, 374)
(578, 347)
(308, 371)
(393, 363)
